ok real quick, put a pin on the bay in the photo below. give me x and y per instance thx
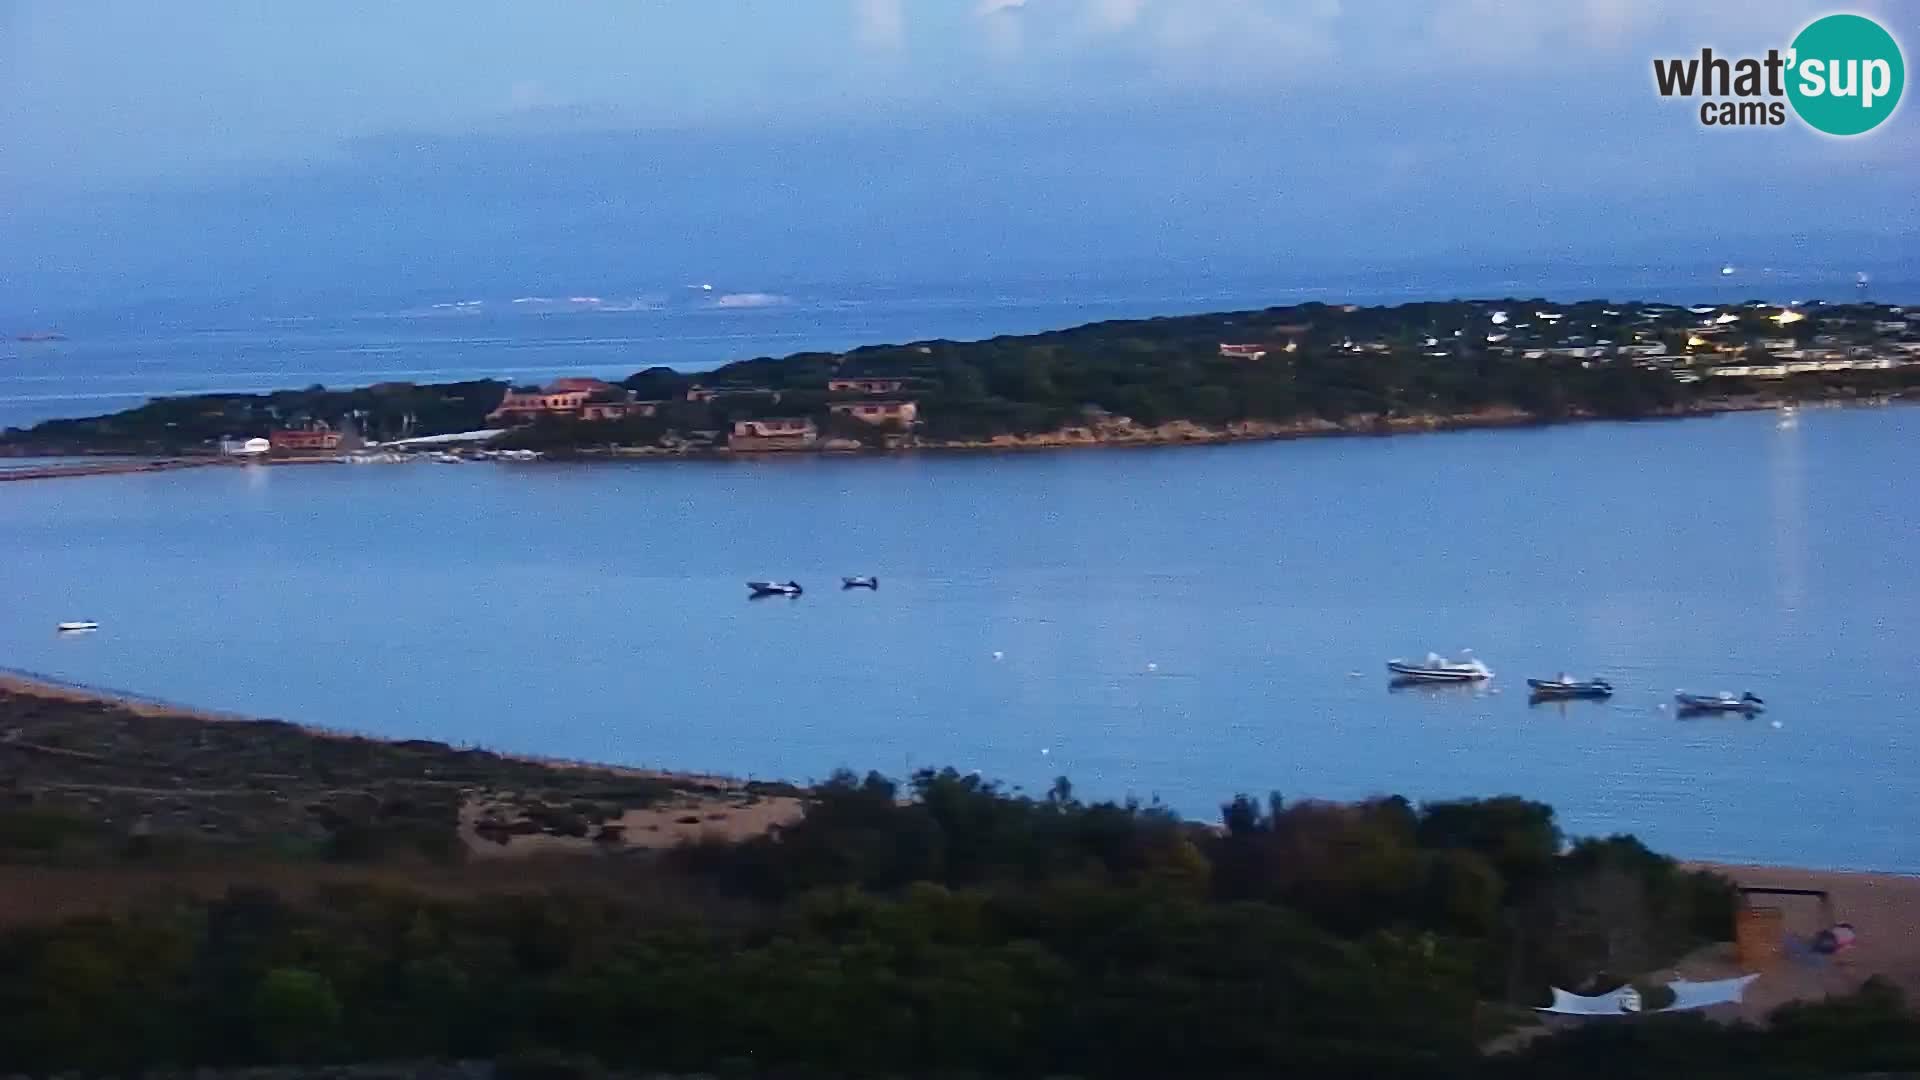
(1180, 623)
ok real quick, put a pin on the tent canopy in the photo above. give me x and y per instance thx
(1626, 1000)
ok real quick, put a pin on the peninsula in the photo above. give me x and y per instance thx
(1273, 373)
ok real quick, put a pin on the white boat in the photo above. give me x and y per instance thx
(1436, 668)
(79, 626)
(1747, 704)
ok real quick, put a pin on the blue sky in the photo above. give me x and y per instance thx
(178, 148)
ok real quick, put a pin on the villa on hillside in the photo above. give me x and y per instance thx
(617, 410)
(314, 438)
(773, 433)
(697, 392)
(866, 386)
(576, 398)
(878, 412)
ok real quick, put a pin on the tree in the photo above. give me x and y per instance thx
(295, 1015)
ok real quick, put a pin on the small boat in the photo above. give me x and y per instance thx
(1567, 687)
(80, 626)
(1746, 704)
(774, 588)
(861, 581)
(1436, 669)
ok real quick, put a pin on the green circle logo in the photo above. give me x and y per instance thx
(1846, 74)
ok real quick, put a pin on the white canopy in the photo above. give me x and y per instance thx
(1626, 1000)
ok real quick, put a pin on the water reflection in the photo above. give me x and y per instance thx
(1786, 485)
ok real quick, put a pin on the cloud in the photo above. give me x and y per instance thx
(1001, 21)
(880, 24)
(1112, 15)
(1231, 39)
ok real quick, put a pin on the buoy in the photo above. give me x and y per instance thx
(997, 654)
(1776, 724)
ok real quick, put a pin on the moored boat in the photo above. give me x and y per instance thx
(860, 581)
(1565, 686)
(1436, 668)
(78, 626)
(1724, 702)
(774, 588)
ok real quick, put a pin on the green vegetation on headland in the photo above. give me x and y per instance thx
(1281, 371)
(949, 928)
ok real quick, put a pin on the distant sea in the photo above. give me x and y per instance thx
(116, 358)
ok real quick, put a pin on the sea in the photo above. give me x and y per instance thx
(1175, 625)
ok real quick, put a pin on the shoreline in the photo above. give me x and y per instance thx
(51, 687)
(1170, 434)
(33, 684)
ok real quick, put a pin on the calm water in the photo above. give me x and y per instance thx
(1181, 623)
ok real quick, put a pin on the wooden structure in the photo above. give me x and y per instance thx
(1759, 931)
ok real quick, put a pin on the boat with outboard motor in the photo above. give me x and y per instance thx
(1565, 686)
(1436, 668)
(773, 588)
(1747, 704)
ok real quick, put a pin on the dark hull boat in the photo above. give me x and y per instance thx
(1696, 704)
(861, 582)
(1563, 687)
(759, 589)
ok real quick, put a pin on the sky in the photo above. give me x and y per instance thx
(197, 150)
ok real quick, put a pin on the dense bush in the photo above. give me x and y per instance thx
(945, 927)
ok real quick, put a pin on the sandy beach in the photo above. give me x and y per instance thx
(1883, 909)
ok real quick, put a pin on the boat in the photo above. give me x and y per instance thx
(774, 588)
(1724, 702)
(1436, 669)
(860, 581)
(1565, 686)
(79, 626)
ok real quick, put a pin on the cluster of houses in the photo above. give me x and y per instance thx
(310, 438)
(872, 400)
(572, 398)
(1705, 341)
